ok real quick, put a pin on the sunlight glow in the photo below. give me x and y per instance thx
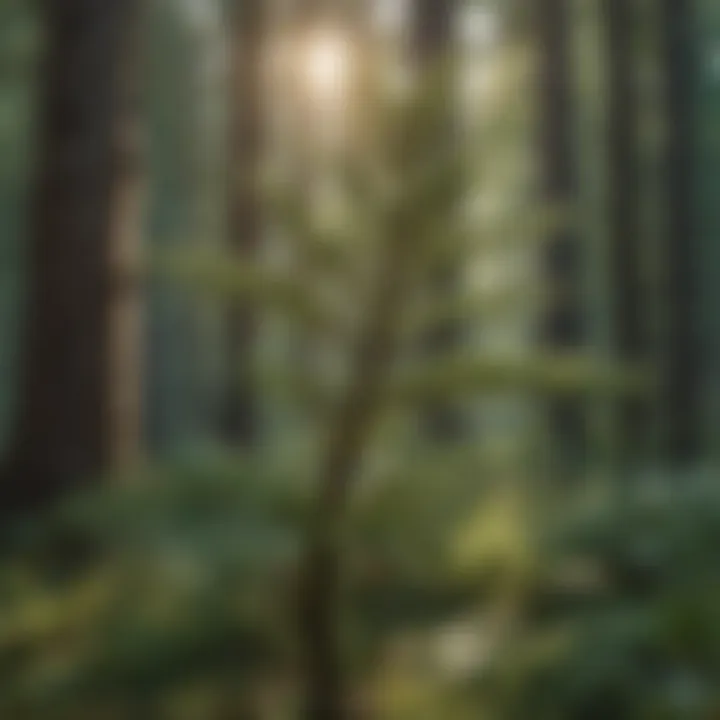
(328, 65)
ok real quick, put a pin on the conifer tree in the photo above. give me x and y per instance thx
(561, 325)
(239, 422)
(626, 292)
(681, 372)
(72, 423)
(432, 24)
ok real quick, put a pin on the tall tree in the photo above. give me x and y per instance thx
(680, 400)
(18, 40)
(626, 292)
(432, 45)
(360, 403)
(561, 325)
(181, 347)
(239, 423)
(72, 423)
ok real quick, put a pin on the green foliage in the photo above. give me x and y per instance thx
(139, 592)
(623, 621)
(190, 578)
(179, 588)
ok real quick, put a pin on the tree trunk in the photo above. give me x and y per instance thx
(680, 399)
(561, 324)
(72, 423)
(240, 420)
(432, 44)
(349, 435)
(626, 294)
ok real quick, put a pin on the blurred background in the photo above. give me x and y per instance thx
(358, 359)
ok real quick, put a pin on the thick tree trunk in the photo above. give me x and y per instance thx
(240, 418)
(561, 325)
(125, 354)
(70, 420)
(680, 400)
(626, 293)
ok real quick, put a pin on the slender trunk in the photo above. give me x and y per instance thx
(328, 693)
(240, 420)
(349, 434)
(432, 45)
(629, 325)
(680, 399)
(561, 325)
(64, 433)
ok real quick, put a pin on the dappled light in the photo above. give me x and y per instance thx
(358, 360)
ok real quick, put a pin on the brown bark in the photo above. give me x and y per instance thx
(66, 421)
(125, 355)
